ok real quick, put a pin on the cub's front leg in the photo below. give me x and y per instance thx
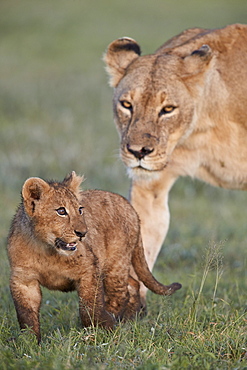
(27, 299)
(91, 301)
(116, 281)
(133, 306)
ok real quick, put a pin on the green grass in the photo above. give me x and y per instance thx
(55, 116)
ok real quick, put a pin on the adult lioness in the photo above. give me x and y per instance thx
(180, 112)
(64, 239)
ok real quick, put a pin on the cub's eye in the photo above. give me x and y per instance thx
(167, 109)
(81, 210)
(126, 104)
(61, 211)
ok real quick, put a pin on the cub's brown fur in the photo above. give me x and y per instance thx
(180, 112)
(64, 239)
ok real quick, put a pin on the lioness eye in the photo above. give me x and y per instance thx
(126, 104)
(61, 211)
(81, 210)
(167, 109)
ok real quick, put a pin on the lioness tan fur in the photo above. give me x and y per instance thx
(180, 112)
(64, 239)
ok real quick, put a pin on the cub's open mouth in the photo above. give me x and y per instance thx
(59, 243)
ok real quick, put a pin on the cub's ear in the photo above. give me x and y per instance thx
(73, 182)
(32, 191)
(198, 60)
(119, 54)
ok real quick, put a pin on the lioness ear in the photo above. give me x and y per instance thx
(32, 191)
(198, 60)
(119, 54)
(73, 182)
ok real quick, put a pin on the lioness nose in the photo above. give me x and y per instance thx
(80, 234)
(140, 153)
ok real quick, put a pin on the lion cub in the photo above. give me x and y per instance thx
(89, 241)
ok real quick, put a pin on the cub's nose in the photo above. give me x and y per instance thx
(80, 234)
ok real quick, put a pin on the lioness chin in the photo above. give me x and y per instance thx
(66, 239)
(180, 112)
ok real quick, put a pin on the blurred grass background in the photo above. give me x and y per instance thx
(56, 116)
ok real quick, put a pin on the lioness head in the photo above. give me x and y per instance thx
(55, 212)
(154, 100)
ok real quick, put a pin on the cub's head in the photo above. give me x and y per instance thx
(55, 212)
(154, 100)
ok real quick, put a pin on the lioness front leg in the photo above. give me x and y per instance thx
(150, 200)
(27, 299)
